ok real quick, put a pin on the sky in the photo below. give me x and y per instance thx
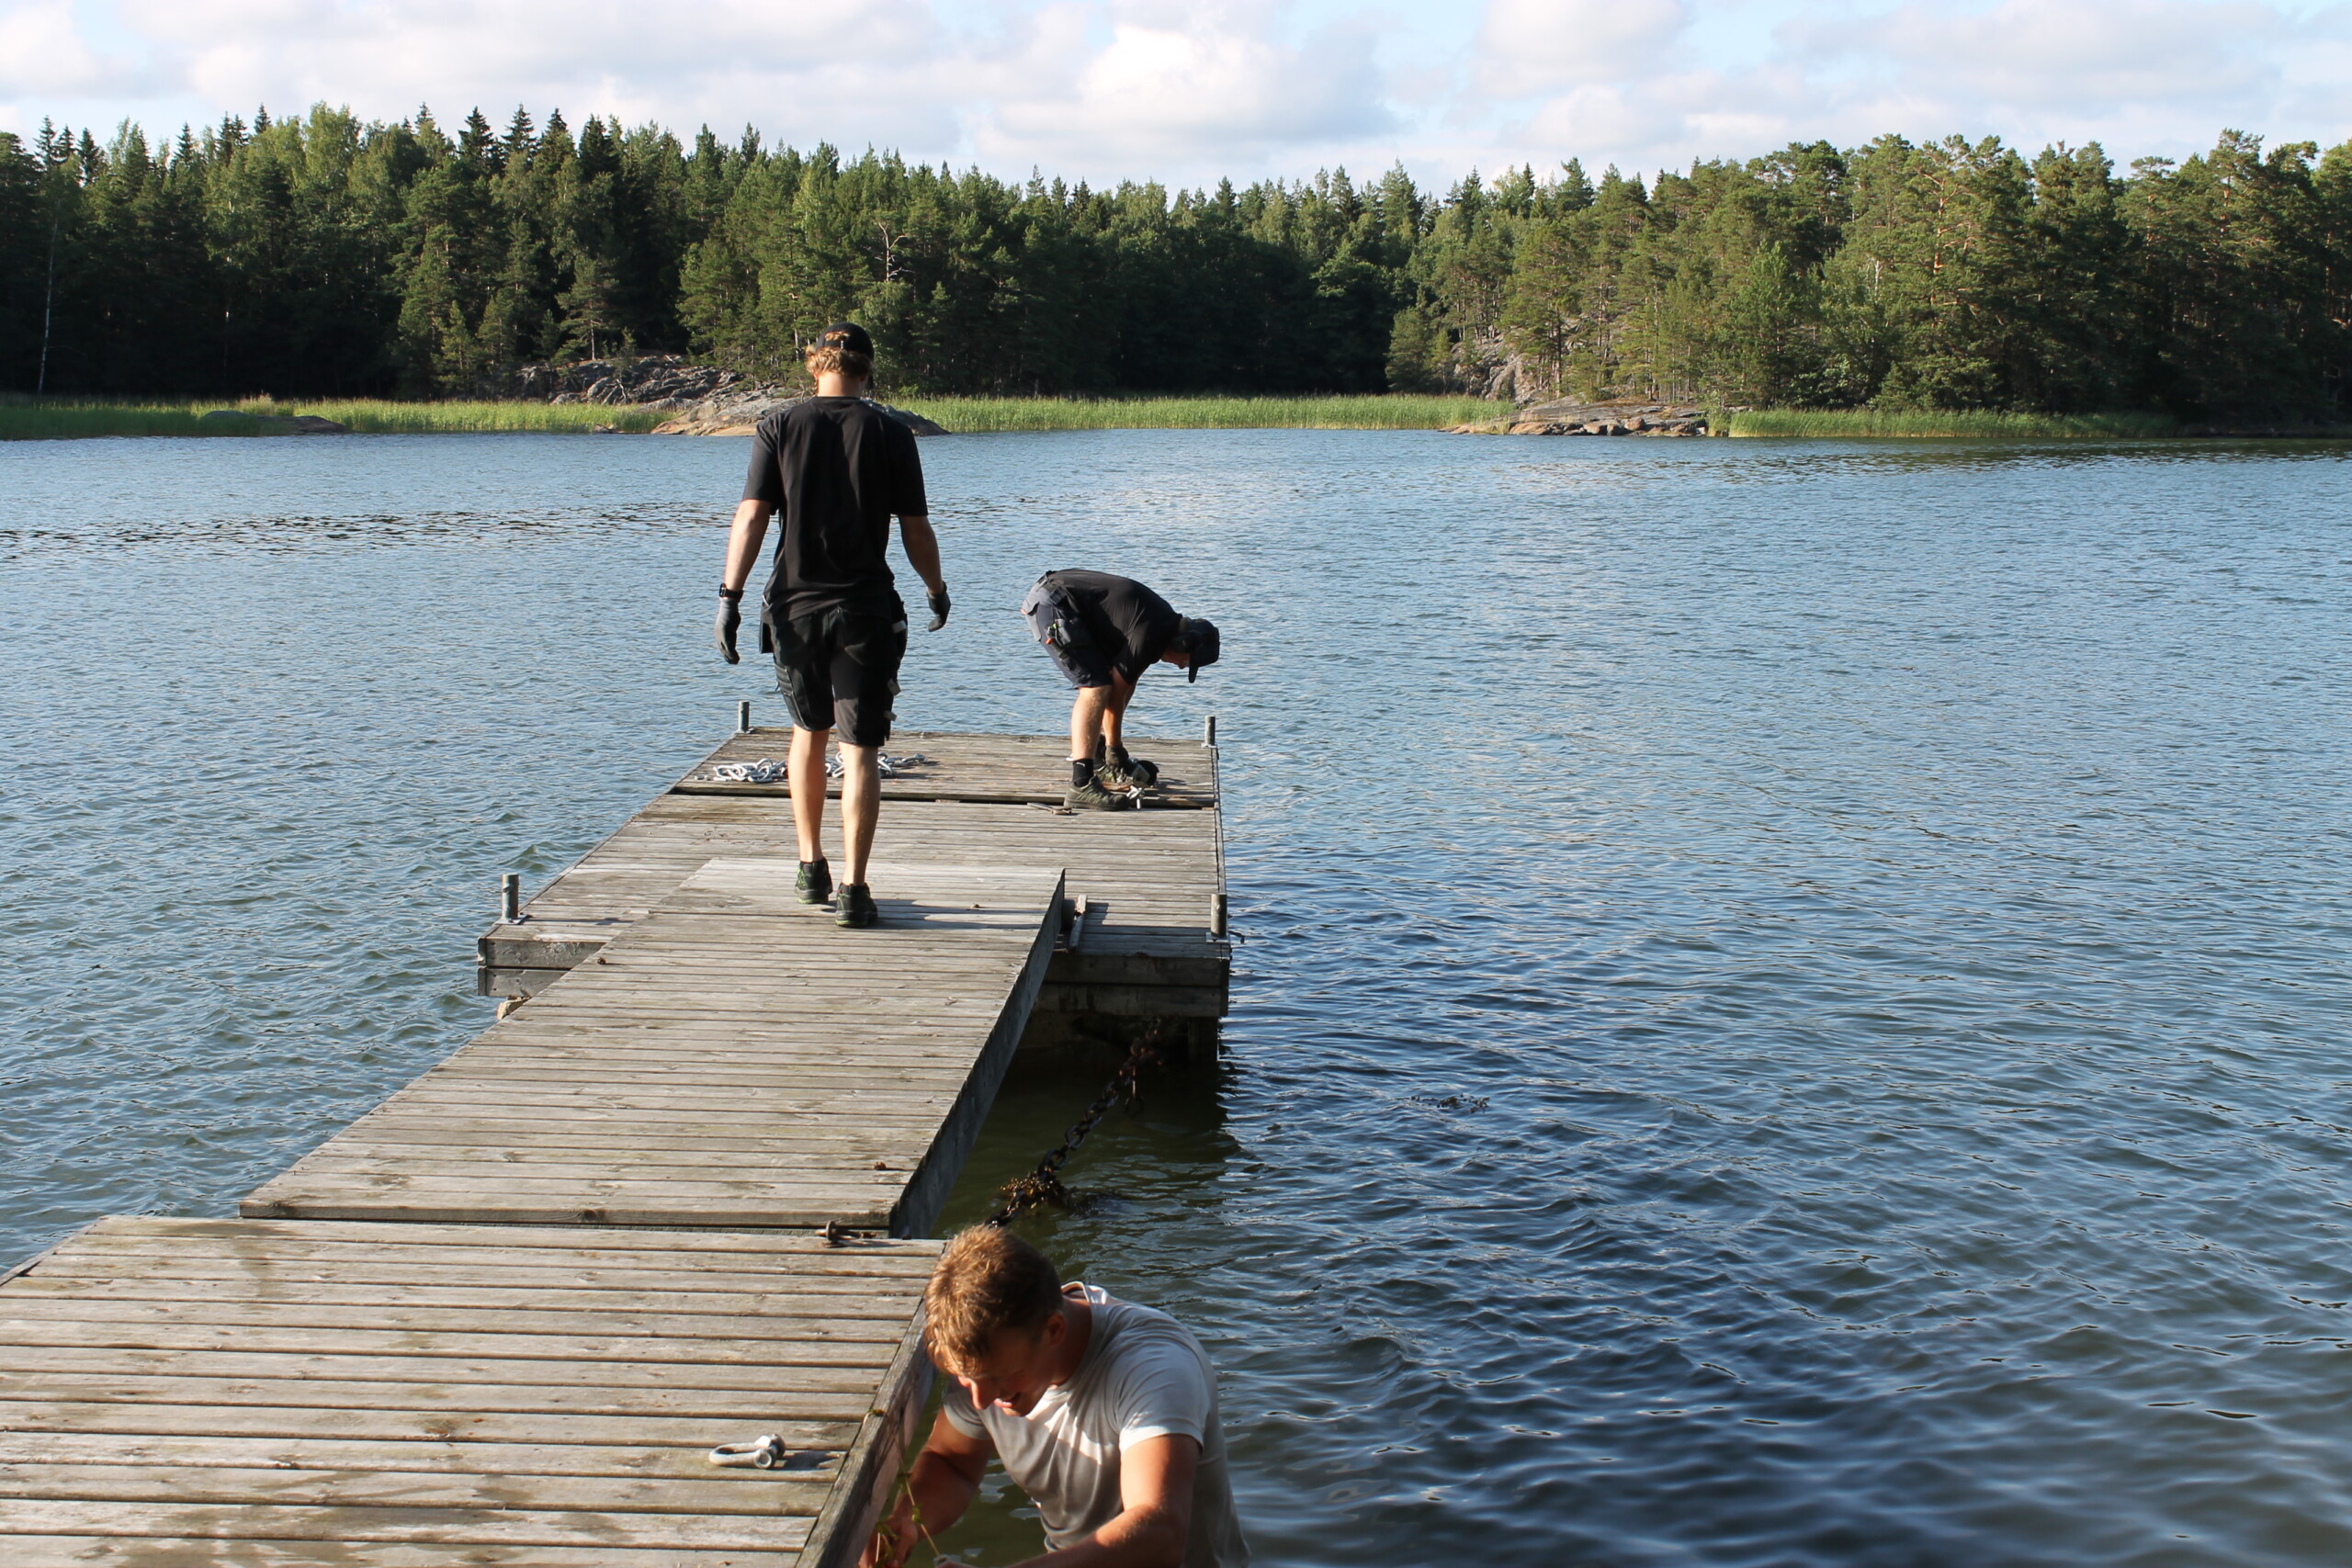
(1187, 91)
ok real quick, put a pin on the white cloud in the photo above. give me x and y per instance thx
(1105, 89)
(41, 50)
(2070, 55)
(1170, 84)
(1533, 46)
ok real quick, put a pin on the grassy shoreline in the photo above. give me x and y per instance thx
(1386, 412)
(67, 419)
(28, 419)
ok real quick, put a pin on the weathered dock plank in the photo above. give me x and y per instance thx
(795, 1073)
(1149, 877)
(171, 1392)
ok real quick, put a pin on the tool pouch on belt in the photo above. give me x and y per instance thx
(1053, 616)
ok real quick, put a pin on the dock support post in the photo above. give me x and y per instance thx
(1216, 915)
(509, 898)
(743, 717)
(1208, 730)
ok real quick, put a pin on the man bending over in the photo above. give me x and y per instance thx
(838, 468)
(1102, 1411)
(1103, 632)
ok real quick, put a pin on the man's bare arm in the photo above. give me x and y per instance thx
(1155, 1515)
(945, 1478)
(743, 541)
(922, 550)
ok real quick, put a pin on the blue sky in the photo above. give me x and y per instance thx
(1188, 90)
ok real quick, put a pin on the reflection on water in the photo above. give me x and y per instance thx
(1792, 1001)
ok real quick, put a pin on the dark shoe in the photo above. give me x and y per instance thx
(1092, 796)
(1134, 774)
(856, 907)
(816, 882)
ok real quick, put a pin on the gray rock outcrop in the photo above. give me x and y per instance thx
(1619, 418)
(284, 424)
(702, 400)
(738, 414)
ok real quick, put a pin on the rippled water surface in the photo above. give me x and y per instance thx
(1794, 998)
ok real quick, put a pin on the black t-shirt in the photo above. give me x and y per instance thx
(1131, 622)
(839, 469)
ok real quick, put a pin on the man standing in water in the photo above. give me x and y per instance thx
(839, 469)
(1104, 1412)
(1103, 632)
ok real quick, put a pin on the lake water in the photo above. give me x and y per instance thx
(1793, 997)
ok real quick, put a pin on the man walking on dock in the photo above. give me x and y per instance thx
(838, 468)
(1103, 632)
(1104, 1412)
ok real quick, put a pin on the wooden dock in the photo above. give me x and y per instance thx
(1152, 946)
(177, 1392)
(669, 1203)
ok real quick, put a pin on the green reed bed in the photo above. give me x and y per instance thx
(62, 419)
(1389, 412)
(58, 420)
(380, 416)
(1929, 424)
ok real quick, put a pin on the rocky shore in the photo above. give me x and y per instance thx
(702, 400)
(285, 424)
(1620, 418)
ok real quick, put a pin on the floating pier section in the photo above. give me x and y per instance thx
(676, 1196)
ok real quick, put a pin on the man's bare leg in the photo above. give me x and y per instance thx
(1114, 712)
(1086, 721)
(861, 807)
(807, 769)
(1097, 713)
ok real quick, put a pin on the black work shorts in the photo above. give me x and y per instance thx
(1054, 621)
(839, 669)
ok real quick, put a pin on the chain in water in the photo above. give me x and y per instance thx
(1044, 1185)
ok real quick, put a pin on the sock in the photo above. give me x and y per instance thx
(1082, 773)
(1119, 755)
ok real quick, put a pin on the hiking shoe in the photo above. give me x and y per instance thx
(856, 907)
(1092, 796)
(816, 883)
(1134, 774)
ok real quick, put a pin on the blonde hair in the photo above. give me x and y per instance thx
(989, 1281)
(828, 355)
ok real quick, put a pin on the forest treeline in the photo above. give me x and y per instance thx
(327, 256)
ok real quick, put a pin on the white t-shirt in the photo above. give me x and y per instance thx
(1143, 1376)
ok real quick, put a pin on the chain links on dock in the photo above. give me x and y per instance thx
(1044, 1185)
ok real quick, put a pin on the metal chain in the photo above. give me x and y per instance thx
(1044, 1185)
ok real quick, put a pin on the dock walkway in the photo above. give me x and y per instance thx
(674, 1200)
(1152, 946)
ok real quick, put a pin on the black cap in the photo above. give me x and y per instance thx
(1200, 646)
(848, 337)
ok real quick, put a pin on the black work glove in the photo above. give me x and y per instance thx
(938, 602)
(731, 621)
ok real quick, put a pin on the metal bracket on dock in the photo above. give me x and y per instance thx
(743, 717)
